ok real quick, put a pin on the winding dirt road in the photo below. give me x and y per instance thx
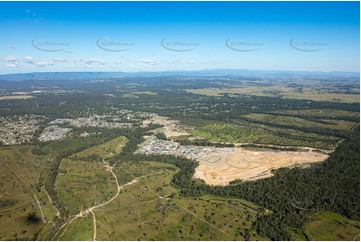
(90, 210)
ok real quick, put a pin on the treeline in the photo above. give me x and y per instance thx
(270, 147)
(315, 130)
(183, 178)
(196, 142)
(135, 137)
(317, 119)
(202, 142)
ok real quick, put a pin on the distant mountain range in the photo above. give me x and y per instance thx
(210, 72)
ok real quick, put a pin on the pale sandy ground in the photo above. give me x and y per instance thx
(15, 97)
(223, 165)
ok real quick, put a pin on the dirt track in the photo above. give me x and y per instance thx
(227, 164)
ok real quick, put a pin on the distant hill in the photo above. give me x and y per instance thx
(210, 72)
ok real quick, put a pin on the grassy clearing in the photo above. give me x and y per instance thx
(128, 95)
(230, 133)
(18, 97)
(280, 91)
(18, 179)
(105, 150)
(151, 209)
(263, 134)
(81, 184)
(156, 212)
(329, 226)
(322, 113)
(299, 122)
(145, 93)
(310, 94)
(80, 229)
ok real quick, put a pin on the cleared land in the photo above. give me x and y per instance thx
(322, 113)
(106, 150)
(151, 209)
(329, 226)
(171, 127)
(263, 134)
(135, 201)
(227, 164)
(24, 208)
(300, 122)
(16, 97)
(280, 91)
(219, 166)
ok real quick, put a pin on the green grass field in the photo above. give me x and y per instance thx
(148, 209)
(329, 226)
(19, 193)
(322, 113)
(279, 91)
(151, 209)
(105, 150)
(24, 175)
(263, 134)
(145, 93)
(299, 122)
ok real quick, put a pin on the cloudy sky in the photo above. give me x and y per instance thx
(162, 36)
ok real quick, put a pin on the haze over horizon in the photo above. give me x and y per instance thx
(172, 36)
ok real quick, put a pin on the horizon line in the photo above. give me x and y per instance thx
(180, 70)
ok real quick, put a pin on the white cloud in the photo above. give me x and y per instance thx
(13, 64)
(12, 61)
(89, 61)
(149, 62)
(28, 59)
(10, 58)
(42, 63)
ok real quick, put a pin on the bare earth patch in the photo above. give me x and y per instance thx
(224, 165)
(219, 166)
(171, 127)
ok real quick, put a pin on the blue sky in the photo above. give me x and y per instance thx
(163, 36)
